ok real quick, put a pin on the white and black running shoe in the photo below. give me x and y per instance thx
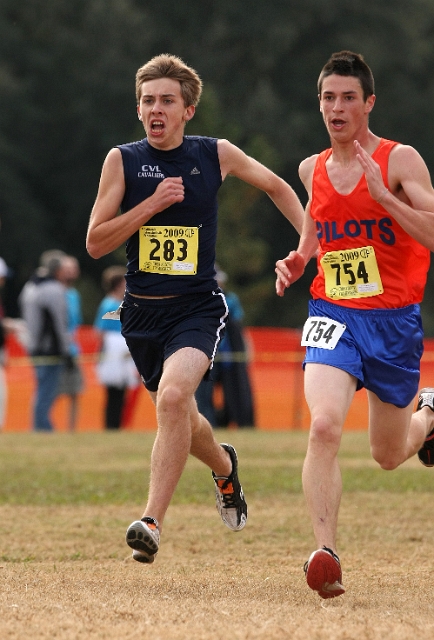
(426, 452)
(230, 501)
(143, 537)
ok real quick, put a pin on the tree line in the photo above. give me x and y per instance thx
(67, 84)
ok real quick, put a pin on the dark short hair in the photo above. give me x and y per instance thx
(348, 63)
(53, 265)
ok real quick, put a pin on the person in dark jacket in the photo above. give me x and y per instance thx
(230, 371)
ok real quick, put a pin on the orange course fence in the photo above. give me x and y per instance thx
(275, 371)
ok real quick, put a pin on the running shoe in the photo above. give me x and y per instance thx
(143, 537)
(426, 452)
(229, 495)
(324, 574)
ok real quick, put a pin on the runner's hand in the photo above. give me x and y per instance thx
(372, 170)
(288, 271)
(168, 191)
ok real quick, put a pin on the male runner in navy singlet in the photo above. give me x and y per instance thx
(173, 315)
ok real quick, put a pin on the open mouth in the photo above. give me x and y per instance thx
(338, 123)
(157, 126)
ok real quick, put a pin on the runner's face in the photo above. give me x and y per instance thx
(343, 107)
(163, 113)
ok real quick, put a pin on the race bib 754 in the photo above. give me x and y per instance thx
(321, 332)
(351, 273)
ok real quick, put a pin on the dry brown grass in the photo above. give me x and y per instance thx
(67, 573)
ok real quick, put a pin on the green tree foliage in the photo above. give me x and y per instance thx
(67, 85)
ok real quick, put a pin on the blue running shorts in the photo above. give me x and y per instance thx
(155, 328)
(382, 348)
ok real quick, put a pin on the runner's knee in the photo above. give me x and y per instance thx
(325, 431)
(388, 460)
(171, 399)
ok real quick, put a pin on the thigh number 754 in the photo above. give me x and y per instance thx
(321, 332)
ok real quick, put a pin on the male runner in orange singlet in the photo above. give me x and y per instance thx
(369, 217)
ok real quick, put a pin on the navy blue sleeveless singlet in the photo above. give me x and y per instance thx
(167, 244)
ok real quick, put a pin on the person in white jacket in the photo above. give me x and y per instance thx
(116, 369)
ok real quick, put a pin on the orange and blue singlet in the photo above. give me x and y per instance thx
(364, 317)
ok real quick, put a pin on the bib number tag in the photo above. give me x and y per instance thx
(321, 332)
(169, 250)
(351, 273)
(113, 315)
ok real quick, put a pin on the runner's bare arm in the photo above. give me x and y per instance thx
(292, 267)
(411, 197)
(235, 162)
(107, 230)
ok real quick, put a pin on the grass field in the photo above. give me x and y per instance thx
(67, 499)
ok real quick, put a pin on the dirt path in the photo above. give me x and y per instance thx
(67, 574)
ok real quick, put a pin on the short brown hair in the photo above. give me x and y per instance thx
(112, 277)
(347, 63)
(169, 66)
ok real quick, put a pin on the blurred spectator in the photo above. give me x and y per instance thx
(8, 326)
(44, 261)
(71, 382)
(3, 331)
(44, 309)
(116, 369)
(230, 371)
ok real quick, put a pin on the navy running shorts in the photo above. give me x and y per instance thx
(382, 348)
(156, 328)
